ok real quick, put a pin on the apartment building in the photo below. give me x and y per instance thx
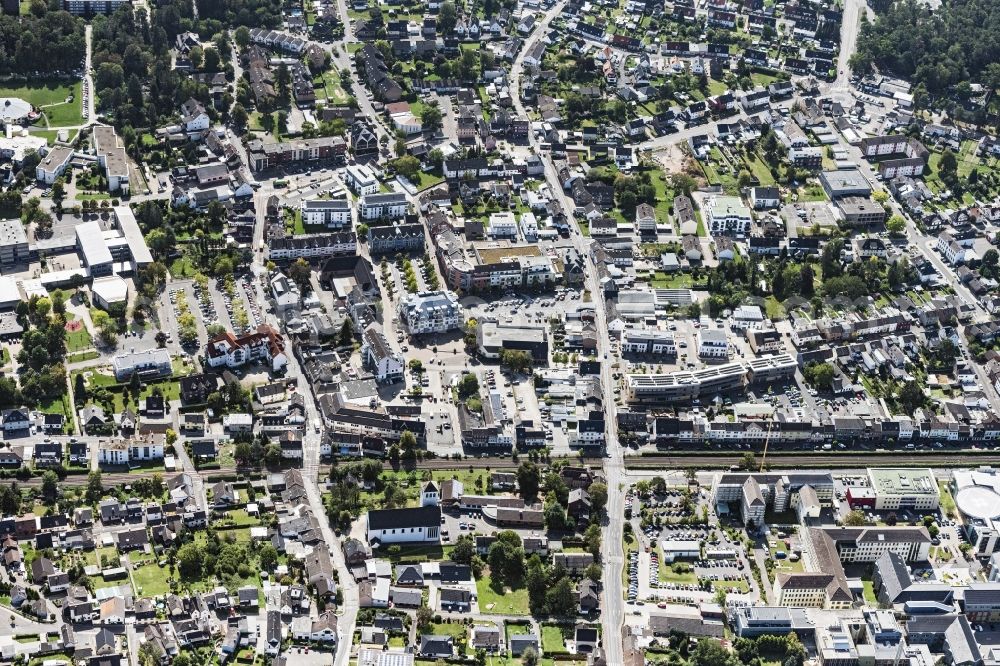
(431, 312)
(330, 213)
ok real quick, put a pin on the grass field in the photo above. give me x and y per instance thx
(418, 554)
(947, 501)
(78, 340)
(508, 602)
(329, 85)
(59, 406)
(454, 629)
(150, 580)
(49, 96)
(66, 114)
(554, 638)
(41, 93)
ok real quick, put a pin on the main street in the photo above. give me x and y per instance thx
(612, 553)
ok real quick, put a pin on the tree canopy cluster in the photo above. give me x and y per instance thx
(953, 44)
(41, 42)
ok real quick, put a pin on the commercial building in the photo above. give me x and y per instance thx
(109, 291)
(293, 153)
(134, 239)
(111, 156)
(13, 242)
(648, 341)
(265, 345)
(54, 164)
(754, 494)
(977, 498)
(385, 364)
(312, 246)
(712, 343)
(93, 7)
(899, 489)
(94, 252)
(753, 621)
(149, 363)
(686, 385)
(858, 211)
(430, 312)
(803, 590)
(330, 213)
(845, 183)
(493, 337)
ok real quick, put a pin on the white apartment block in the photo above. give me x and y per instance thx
(361, 179)
(648, 341)
(331, 213)
(712, 343)
(379, 206)
(431, 312)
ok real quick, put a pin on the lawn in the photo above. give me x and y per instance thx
(731, 585)
(554, 638)
(60, 405)
(784, 565)
(811, 192)
(423, 180)
(761, 79)
(78, 340)
(760, 171)
(508, 602)
(668, 575)
(411, 555)
(869, 589)
(66, 114)
(330, 86)
(775, 310)
(662, 280)
(182, 267)
(150, 580)
(42, 93)
(947, 501)
(454, 629)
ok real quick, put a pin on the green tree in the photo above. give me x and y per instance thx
(598, 496)
(95, 487)
(561, 599)
(529, 479)
(407, 166)
(50, 485)
(267, 557)
(911, 397)
(896, 225)
(464, 550)
(948, 165)
(468, 386)
(819, 375)
(709, 652)
(190, 560)
(855, 518)
(430, 118)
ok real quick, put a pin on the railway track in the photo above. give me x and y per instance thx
(679, 460)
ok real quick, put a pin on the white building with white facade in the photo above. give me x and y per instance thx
(361, 179)
(330, 213)
(431, 312)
